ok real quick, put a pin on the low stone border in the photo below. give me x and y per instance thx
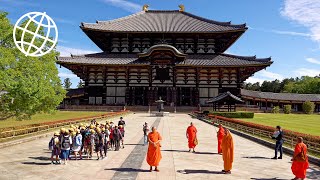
(288, 151)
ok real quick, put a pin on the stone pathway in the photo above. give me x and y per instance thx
(31, 160)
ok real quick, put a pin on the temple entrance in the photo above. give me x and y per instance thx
(162, 92)
(184, 96)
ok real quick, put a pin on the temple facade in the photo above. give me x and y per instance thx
(170, 54)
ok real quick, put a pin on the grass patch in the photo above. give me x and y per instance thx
(58, 115)
(303, 123)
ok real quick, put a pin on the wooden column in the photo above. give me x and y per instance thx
(266, 104)
(104, 88)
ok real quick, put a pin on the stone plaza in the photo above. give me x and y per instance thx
(31, 160)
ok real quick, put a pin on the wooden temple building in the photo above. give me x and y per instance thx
(171, 54)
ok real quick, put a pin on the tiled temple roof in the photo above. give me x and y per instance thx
(163, 21)
(280, 96)
(195, 60)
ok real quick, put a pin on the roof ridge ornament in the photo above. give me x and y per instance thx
(145, 7)
(181, 6)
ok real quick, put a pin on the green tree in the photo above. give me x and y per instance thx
(80, 84)
(67, 83)
(32, 83)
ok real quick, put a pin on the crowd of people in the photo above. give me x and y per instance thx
(80, 140)
(85, 140)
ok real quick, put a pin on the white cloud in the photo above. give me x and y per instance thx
(66, 75)
(67, 51)
(124, 4)
(270, 75)
(306, 13)
(254, 80)
(264, 75)
(307, 72)
(312, 60)
(291, 33)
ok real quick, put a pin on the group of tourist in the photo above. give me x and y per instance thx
(85, 140)
(226, 149)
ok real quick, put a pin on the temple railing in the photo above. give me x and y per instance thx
(264, 132)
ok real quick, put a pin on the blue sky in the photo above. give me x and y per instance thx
(286, 30)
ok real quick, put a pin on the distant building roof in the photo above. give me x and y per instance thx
(280, 96)
(75, 93)
(133, 59)
(223, 96)
(167, 21)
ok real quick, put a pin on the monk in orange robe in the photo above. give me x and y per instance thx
(192, 137)
(300, 161)
(154, 153)
(220, 135)
(227, 152)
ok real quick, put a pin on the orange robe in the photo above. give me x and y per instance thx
(154, 153)
(192, 134)
(299, 169)
(227, 152)
(220, 137)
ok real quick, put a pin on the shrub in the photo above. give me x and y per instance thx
(287, 109)
(234, 114)
(206, 112)
(275, 109)
(308, 107)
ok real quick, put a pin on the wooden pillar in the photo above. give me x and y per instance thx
(266, 104)
(104, 88)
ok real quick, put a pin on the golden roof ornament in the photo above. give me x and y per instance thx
(145, 7)
(181, 6)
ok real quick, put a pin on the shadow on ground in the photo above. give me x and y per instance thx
(37, 163)
(313, 173)
(269, 179)
(256, 157)
(194, 171)
(127, 170)
(175, 150)
(133, 144)
(42, 158)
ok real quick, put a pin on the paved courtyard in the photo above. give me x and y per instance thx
(31, 160)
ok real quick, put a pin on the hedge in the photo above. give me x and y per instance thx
(20, 130)
(234, 114)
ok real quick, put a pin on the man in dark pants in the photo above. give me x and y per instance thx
(278, 135)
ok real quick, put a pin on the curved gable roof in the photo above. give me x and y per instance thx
(163, 21)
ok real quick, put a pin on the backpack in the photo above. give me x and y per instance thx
(78, 140)
(65, 142)
(51, 144)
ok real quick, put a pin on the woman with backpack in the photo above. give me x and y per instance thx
(65, 145)
(106, 133)
(54, 147)
(91, 144)
(77, 143)
(99, 143)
